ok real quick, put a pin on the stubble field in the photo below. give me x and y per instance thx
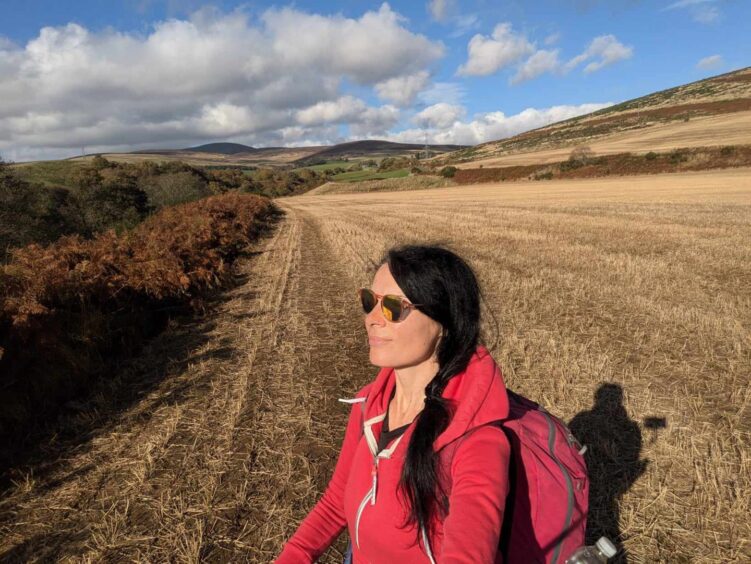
(637, 291)
(622, 305)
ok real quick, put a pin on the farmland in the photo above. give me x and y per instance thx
(215, 442)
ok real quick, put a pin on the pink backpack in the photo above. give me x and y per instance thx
(546, 511)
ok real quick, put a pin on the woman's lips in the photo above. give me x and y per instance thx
(376, 341)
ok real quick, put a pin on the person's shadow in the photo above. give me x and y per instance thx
(613, 444)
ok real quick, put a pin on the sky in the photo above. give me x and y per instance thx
(92, 76)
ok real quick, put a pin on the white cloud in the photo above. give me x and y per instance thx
(331, 111)
(710, 63)
(402, 89)
(702, 11)
(706, 14)
(540, 62)
(374, 122)
(495, 125)
(211, 76)
(447, 13)
(687, 4)
(440, 116)
(366, 50)
(440, 9)
(606, 49)
(350, 110)
(487, 55)
(448, 92)
(552, 39)
(464, 24)
(506, 48)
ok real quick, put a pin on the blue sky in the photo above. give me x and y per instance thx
(148, 73)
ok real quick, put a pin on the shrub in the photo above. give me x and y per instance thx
(66, 308)
(581, 153)
(727, 150)
(544, 175)
(570, 165)
(579, 157)
(31, 213)
(448, 171)
(393, 163)
(117, 203)
(99, 162)
(650, 156)
(174, 188)
(678, 156)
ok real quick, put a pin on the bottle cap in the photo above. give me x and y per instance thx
(606, 547)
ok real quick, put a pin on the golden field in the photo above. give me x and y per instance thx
(214, 443)
(644, 283)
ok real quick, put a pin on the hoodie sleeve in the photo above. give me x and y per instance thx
(471, 530)
(326, 520)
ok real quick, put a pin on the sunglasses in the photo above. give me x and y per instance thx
(394, 308)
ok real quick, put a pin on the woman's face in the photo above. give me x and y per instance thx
(402, 344)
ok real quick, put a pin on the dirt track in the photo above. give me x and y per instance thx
(233, 444)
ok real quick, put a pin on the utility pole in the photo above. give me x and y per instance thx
(427, 151)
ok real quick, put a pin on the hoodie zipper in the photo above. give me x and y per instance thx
(370, 496)
(371, 493)
(359, 514)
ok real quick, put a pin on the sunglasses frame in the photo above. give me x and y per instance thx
(406, 305)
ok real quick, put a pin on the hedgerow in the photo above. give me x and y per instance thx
(67, 307)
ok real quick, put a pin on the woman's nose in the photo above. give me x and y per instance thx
(375, 316)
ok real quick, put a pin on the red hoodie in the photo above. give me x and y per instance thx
(362, 492)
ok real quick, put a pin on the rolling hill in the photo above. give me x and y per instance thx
(373, 148)
(235, 154)
(709, 112)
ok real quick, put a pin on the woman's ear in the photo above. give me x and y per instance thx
(438, 342)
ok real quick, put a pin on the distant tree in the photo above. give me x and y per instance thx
(578, 158)
(116, 203)
(31, 213)
(174, 188)
(582, 153)
(393, 163)
(99, 162)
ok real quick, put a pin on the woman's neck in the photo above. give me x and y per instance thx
(411, 382)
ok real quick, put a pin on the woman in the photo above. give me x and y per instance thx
(421, 477)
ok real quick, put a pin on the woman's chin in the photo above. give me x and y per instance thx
(378, 357)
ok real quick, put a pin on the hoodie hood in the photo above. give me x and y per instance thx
(478, 394)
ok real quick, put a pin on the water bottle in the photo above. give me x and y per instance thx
(596, 554)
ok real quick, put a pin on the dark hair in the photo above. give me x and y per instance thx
(447, 286)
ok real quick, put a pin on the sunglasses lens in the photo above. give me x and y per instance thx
(368, 300)
(392, 308)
